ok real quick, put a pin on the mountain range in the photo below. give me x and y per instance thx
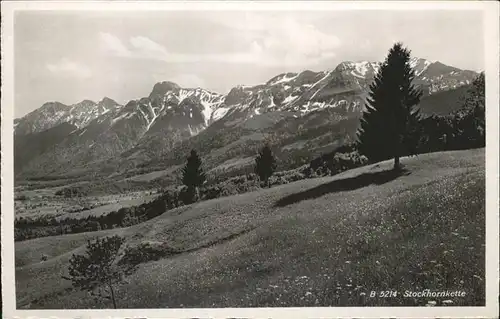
(300, 114)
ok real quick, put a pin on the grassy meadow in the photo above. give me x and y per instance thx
(324, 241)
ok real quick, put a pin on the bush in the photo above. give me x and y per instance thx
(98, 269)
(342, 159)
(21, 197)
(29, 228)
(187, 195)
(145, 252)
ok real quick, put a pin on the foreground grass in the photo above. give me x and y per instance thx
(321, 242)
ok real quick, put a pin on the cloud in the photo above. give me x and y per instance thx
(140, 47)
(278, 39)
(290, 42)
(112, 45)
(148, 48)
(66, 67)
(270, 40)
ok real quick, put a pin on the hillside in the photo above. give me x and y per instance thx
(444, 102)
(315, 242)
(29, 146)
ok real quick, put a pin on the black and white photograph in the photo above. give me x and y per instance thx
(261, 156)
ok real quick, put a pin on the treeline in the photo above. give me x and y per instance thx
(29, 228)
(109, 187)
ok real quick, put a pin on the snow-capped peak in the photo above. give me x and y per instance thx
(360, 69)
(282, 78)
(86, 111)
(305, 90)
(419, 65)
(366, 69)
(170, 93)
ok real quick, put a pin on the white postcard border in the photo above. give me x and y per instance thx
(491, 40)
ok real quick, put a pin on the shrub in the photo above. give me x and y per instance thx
(99, 269)
(335, 162)
(145, 252)
(187, 195)
(21, 197)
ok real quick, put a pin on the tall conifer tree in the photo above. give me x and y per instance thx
(100, 268)
(192, 173)
(265, 164)
(389, 127)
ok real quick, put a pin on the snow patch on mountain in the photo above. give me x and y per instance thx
(144, 115)
(219, 113)
(209, 101)
(183, 94)
(362, 68)
(195, 130)
(284, 78)
(289, 99)
(318, 82)
(419, 65)
(130, 115)
(155, 115)
(118, 118)
(272, 104)
(208, 109)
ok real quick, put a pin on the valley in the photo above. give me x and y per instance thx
(45, 202)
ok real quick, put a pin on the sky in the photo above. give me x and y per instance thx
(75, 55)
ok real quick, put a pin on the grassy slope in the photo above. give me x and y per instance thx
(315, 242)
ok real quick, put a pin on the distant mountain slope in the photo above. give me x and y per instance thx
(444, 102)
(52, 114)
(47, 116)
(157, 130)
(170, 114)
(28, 147)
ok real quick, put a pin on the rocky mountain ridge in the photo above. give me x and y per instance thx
(170, 118)
(52, 114)
(303, 92)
